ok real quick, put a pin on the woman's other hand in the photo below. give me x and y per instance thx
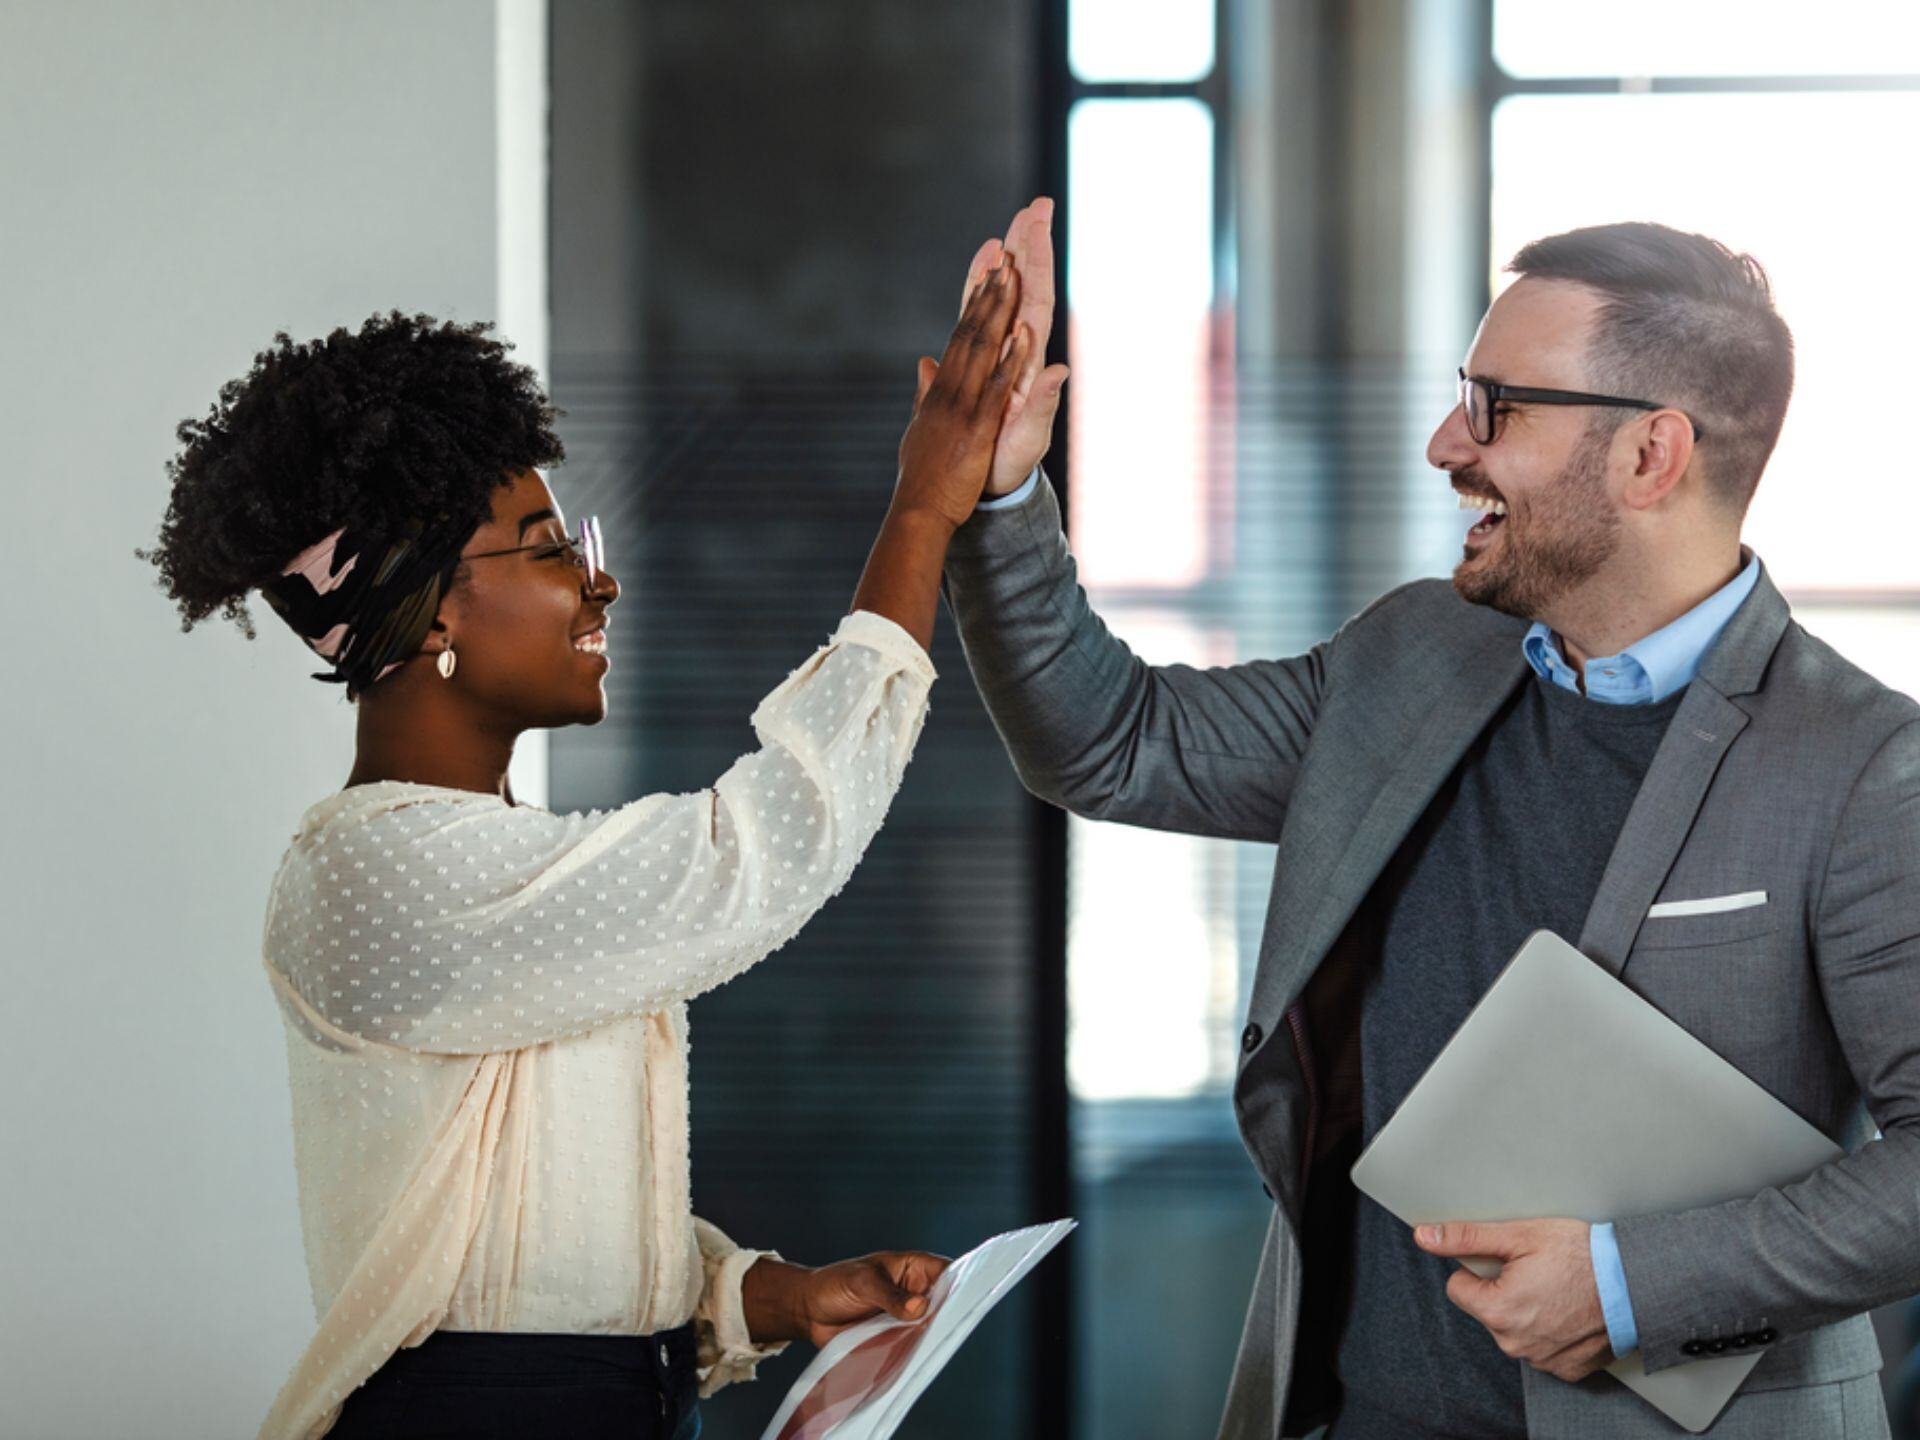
(794, 1302)
(959, 403)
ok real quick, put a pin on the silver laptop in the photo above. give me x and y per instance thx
(1564, 1093)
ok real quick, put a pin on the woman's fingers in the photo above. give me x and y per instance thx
(910, 1274)
(1013, 364)
(897, 1300)
(974, 351)
(896, 1282)
(989, 258)
(985, 320)
(977, 268)
(970, 324)
(916, 1270)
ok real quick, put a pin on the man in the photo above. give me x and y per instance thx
(1608, 709)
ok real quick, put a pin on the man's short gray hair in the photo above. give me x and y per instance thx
(1684, 321)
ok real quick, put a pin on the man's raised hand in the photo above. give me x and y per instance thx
(1027, 430)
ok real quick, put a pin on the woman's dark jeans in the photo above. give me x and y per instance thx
(487, 1385)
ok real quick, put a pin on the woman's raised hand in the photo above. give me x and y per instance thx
(960, 401)
(946, 454)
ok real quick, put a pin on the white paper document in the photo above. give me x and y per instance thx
(864, 1380)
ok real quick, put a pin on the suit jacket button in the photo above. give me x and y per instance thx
(1714, 1347)
(1250, 1039)
(1766, 1337)
(1692, 1347)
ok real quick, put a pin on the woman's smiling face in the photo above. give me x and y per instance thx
(526, 630)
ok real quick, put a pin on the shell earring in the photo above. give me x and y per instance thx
(446, 662)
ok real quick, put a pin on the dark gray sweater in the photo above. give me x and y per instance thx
(1515, 841)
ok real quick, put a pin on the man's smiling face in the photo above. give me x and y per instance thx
(1549, 521)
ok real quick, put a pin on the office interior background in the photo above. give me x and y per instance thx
(723, 230)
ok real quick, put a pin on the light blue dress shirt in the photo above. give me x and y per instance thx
(1013, 497)
(1649, 670)
(1645, 673)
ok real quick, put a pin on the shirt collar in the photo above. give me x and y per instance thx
(1654, 667)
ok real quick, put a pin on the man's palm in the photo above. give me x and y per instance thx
(1027, 428)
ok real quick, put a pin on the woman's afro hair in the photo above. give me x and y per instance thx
(408, 417)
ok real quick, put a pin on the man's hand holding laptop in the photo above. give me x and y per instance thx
(1543, 1307)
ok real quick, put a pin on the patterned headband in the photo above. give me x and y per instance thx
(364, 601)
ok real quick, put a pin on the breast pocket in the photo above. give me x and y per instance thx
(1687, 924)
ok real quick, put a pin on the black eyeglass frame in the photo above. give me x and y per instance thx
(586, 549)
(1532, 395)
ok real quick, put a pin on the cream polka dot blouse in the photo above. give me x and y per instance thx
(485, 1012)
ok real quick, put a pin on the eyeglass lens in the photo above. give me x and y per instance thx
(1473, 399)
(590, 547)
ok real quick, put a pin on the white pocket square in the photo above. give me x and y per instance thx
(1713, 905)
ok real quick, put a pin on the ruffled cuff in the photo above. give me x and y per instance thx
(875, 631)
(727, 1351)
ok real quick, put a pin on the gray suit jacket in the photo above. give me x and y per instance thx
(1786, 769)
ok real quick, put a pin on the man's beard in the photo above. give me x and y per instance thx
(1567, 532)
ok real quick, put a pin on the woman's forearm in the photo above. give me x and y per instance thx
(902, 577)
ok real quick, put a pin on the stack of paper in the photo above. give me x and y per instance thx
(862, 1383)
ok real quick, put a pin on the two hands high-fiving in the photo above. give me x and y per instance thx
(982, 418)
(983, 413)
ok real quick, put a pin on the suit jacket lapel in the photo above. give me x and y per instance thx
(1481, 675)
(1670, 796)
(1484, 668)
(1657, 824)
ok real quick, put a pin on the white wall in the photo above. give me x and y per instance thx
(177, 182)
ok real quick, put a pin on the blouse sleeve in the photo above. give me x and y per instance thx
(727, 1352)
(454, 928)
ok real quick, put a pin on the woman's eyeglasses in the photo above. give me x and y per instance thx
(584, 551)
(1479, 397)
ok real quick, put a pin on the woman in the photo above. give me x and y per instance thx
(485, 1002)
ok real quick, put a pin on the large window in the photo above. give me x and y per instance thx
(1774, 128)
(1152, 989)
(1171, 1219)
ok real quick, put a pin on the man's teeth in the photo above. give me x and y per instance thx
(1474, 502)
(594, 644)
